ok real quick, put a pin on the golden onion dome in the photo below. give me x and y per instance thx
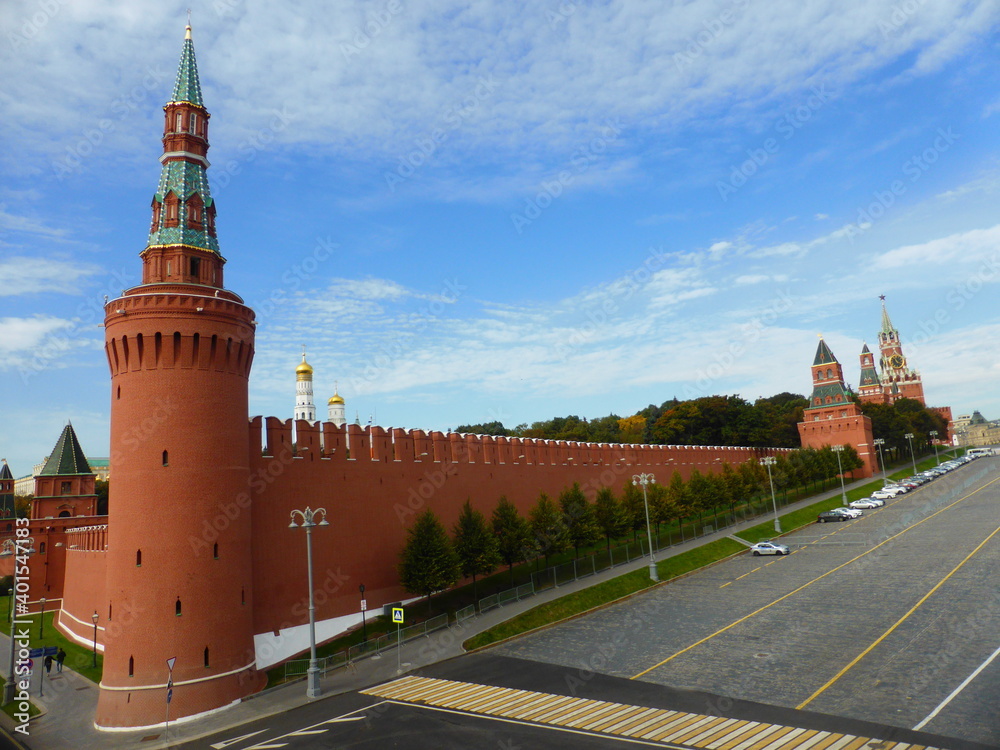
(304, 371)
(336, 398)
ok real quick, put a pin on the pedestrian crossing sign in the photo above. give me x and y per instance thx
(397, 614)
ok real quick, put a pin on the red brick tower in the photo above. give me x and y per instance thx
(180, 347)
(870, 389)
(65, 486)
(898, 380)
(832, 417)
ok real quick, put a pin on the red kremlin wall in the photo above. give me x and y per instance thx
(373, 484)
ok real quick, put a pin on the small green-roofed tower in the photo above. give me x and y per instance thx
(828, 379)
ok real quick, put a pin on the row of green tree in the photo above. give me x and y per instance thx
(432, 561)
(724, 420)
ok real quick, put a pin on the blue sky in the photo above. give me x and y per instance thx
(483, 210)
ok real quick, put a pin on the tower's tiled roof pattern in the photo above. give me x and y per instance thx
(183, 179)
(869, 376)
(886, 323)
(187, 87)
(5, 471)
(823, 354)
(835, 390)
(67, 457)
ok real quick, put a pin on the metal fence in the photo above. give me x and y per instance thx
(506, 597)
(300, 667)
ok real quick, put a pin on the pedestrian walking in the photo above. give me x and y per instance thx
(60, 658)
(48, 664)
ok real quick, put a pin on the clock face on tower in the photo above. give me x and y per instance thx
(896, 360)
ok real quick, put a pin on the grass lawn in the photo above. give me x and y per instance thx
(603, 593)
(78, 658)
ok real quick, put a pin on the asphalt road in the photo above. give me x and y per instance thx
(878, 619)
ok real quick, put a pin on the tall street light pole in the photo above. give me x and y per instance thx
(913, 458)
(770, 461)
(879, 442)
(41, 622)
(934, 434)
(838, 449)
(26, 548)
(643, 480)
(309, 517)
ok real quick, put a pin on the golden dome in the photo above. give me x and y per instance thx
(336, 398)
(304, 371)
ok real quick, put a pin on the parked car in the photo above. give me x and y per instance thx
(899, 489)
(866, 504)
(850, 512)
(831, 515)
(884, 494)
(769, 548)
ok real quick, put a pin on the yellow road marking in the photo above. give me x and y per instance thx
(898, 622)
(807, 585)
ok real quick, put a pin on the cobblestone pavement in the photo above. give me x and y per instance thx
(903, 601)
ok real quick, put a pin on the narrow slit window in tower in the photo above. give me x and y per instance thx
(206, 656)
(138, 558)
(177, 607)
(131, 666)
(166, 460)
(215, 551)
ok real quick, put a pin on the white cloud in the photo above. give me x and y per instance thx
(944, 254)
(24, 275)
(503, 82)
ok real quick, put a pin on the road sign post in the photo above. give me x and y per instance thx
(170, 692)
(397, 617)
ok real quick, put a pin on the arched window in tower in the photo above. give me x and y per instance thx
(829, 373)
(195, 269)
(179, 123)
(192, 122)
(131, 666)
(173, 217)
(177, 607)
(206, 656)
(41, 548)
(138, 558)
(166, 459)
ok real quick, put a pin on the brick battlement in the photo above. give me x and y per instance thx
(351, 442)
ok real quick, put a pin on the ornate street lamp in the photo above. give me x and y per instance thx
(838, 449)
(26, 548)
(309, 517)
(879, 442)
(643, 480)
(913, 458)
(770, 461)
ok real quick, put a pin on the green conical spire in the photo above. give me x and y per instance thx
(187, 87)
(824, 355)
(887, 326)
(67, 457)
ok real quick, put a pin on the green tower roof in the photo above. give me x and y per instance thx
(187, 87)
(5, 471)
(67, 457)
(887, 326)
(823, 354)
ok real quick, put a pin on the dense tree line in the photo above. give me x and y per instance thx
(711, 420)
(431, 561)
(725, 420)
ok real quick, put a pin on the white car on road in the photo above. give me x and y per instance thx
(769, 548)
